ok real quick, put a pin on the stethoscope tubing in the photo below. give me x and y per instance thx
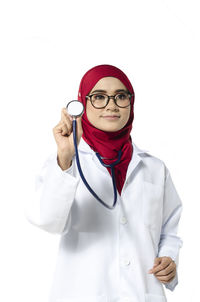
(74, 125)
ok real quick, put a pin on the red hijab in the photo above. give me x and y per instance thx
(107, 144)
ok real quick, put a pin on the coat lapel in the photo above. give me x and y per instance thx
(136, 157)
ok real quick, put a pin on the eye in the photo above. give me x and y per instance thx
(98, 97)
(122, 96)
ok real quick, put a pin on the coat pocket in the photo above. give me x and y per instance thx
(152, 204)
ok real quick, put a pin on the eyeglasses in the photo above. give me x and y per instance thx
(99, 101)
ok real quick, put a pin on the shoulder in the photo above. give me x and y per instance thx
(147, 156)
(154, 167)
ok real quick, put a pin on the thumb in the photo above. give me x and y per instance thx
(157, 261)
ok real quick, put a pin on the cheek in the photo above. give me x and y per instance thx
(88, 111)
(92, 114)
(126, 116)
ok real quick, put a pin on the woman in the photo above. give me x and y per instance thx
(124, 254)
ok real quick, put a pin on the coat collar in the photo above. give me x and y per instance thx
(84, 147)
(136, 158)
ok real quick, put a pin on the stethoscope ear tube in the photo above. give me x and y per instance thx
(82, 176)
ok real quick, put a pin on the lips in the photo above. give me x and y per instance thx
(110, 116)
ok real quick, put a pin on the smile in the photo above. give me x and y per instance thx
(111, 117)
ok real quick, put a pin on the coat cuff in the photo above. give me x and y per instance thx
(175, 257)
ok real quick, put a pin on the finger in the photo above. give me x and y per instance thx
(58, 127)
(170, 268)
(170, 279)
(167, 278)
(164, 263)
(65, 130)
(64, 110)
(157, 261)
(61, 128)
(66, 118)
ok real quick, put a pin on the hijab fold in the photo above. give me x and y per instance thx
(107, 144)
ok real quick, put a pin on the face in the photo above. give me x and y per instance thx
(111, 118)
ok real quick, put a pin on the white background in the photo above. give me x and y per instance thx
(46, 47)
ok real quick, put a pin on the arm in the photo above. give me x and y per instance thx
(50, 204)
(170, 243)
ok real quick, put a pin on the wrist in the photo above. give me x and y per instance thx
(64, 163)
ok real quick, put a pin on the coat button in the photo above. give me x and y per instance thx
(125, 262)
(123, 220)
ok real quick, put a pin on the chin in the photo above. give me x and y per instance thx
(109, 129)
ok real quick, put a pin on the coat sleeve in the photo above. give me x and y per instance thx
(170, 243)
(52, 198)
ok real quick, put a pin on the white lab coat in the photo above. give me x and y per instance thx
(104, 255)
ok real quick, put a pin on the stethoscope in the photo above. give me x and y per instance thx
(75, 109)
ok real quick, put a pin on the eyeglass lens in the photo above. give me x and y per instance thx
(100, 100)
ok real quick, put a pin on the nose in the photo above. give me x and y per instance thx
(111, 104)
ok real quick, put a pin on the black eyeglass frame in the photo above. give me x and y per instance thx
(109, 97)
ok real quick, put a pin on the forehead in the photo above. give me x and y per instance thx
(109, 83)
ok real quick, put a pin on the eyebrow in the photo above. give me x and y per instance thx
(101, 90)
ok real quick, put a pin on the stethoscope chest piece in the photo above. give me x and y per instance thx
(75, 108)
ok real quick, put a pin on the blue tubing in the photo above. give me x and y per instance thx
(83, 178)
